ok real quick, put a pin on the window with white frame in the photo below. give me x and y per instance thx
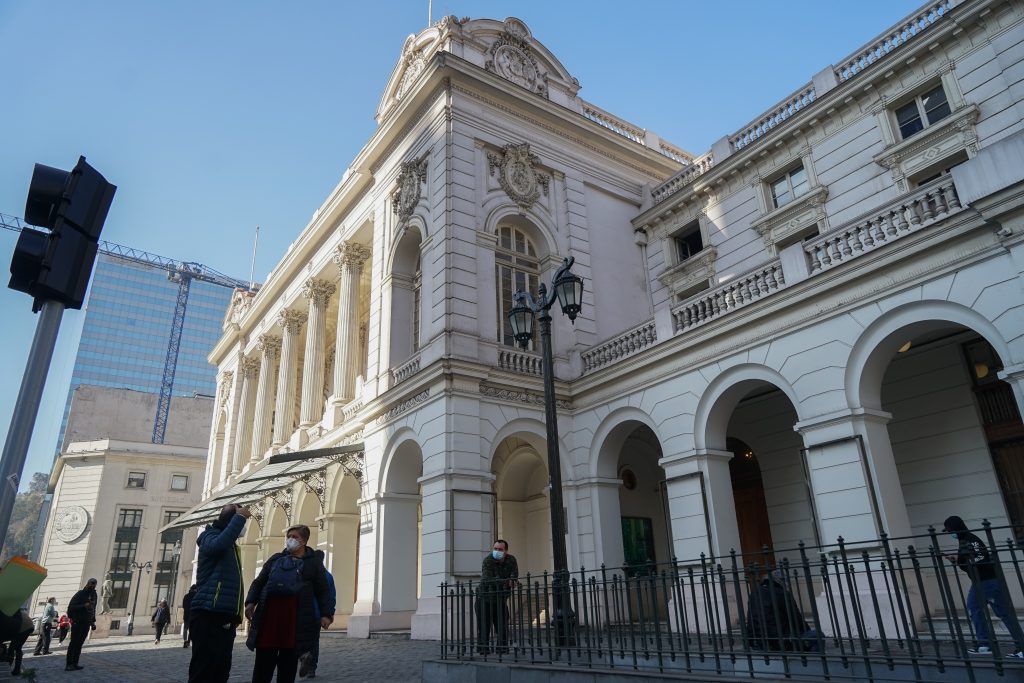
(516, 268)
(179, 482)
(136, 480)
(924, 110)
(789, 186)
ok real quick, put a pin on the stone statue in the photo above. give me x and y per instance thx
(106, 593)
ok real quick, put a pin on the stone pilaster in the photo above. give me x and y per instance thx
(291, 322)
(246, 404)
(270, 349)
(318, 292)
(350, 258)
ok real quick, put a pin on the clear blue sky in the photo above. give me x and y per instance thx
(213, 117)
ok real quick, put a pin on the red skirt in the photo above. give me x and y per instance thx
(278, 623)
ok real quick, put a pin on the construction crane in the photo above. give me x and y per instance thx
(180, 272)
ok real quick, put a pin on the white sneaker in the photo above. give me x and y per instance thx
(980, 650)
(1019, 654)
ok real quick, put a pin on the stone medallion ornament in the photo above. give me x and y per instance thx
(517, 175)
(71, 523)
(407, 196)
(510, 58)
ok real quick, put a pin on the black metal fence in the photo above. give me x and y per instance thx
(891, 609)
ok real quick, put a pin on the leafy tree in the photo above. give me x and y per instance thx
(25, 518)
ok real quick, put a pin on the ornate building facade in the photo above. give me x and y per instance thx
(812, 330)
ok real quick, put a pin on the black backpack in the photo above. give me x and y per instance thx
(285, 576)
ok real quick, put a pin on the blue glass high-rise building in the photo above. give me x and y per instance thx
(129, 316)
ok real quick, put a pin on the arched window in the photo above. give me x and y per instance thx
(516, 267)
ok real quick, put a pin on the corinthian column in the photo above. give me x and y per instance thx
(243, 431)
(350, 258)
(318, 292)
(269, 347)
(291, 323)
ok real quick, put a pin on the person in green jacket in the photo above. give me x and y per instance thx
(498, 576)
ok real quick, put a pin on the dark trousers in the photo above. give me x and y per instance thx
(213, 636)
(79, 631)
(63, 634)
(314, 654)
(43, 643)
(160, 631)
(491, 613)
(285, 661)
(992, 593)
(184, 631)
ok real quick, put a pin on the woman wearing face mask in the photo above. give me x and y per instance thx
(280, 607)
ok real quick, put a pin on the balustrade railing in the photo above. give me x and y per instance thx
(406, 369)
(878, 610)
(691, 172)
(774, 117)
(901, 33)
(928, 204)
(626, 344)
(613, 123)
(726, 298)
(521, 362)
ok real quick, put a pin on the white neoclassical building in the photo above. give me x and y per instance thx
(815, 329)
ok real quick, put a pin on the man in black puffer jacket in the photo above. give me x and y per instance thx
(217, 605)
(280, 605)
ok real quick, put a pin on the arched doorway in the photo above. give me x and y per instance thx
(523, 513)
(401, 537)
(751, 507)
(646, 539)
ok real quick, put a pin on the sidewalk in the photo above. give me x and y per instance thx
(137, 660)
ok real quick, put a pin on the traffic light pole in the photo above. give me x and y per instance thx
(26, 409)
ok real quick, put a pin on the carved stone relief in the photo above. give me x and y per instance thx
(511, 58)
(517, 174)
(411, 176)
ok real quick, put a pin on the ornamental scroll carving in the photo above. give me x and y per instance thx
(521, 396)
(511, 58)
(414, 66)
(249, 367)
(517, 174)
(411, 176)
(350, 255)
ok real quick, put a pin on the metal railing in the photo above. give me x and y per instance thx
(890, 609)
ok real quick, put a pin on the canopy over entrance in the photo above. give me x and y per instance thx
(274, 474)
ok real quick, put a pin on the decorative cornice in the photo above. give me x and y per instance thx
(520, 396)
(291, 321)
(318, 291)
(403, 407)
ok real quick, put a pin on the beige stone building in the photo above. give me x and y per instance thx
(814, 329)
(112, 492)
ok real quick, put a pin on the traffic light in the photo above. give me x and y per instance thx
(73, 207)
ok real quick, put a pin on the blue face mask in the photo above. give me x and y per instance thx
(497, 554)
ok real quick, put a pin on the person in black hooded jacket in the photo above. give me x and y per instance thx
(973, 559)
(284, 622)
(774, 620)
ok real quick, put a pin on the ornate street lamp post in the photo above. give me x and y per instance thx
(568, 290)
(148, 566)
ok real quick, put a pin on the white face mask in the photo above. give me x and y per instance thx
(292, 544)
(497, 554)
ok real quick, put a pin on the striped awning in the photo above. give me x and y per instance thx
(274, 474)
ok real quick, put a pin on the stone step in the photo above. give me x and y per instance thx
(398, 634)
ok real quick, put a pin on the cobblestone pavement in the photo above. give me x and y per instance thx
(121, 659)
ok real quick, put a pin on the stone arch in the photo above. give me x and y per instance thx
(533, 432)
(400, 534)
(306, 510)
(626, 490)
(720, 398)
(539, 227)
(611, 434)
(880, 340)
(403, 290)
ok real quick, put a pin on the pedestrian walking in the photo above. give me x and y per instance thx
(499, 573)
(82, 610)
(161, 617)
(63, 626)
(186, 609)
(308, 661)
(217, 605)
(973, 559)
(280, 605)
(47, 622)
